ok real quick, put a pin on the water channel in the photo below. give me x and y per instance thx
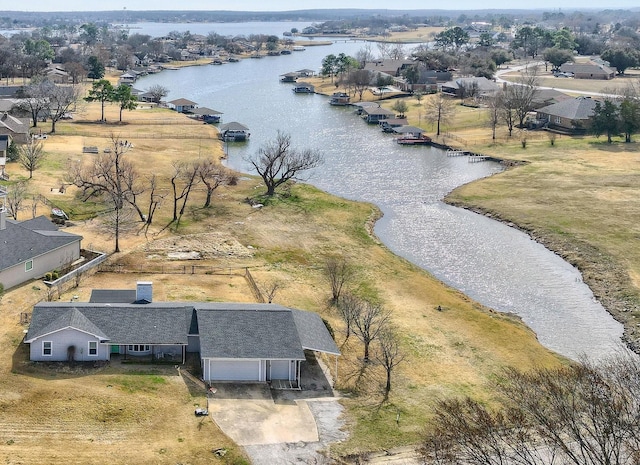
(490, 262)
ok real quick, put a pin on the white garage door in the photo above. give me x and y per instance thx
(280, 369)
(235, 371)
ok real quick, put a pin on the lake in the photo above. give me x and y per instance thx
(489, 261)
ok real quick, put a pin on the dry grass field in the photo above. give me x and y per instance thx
(93, 415)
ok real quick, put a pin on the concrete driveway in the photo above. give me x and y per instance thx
(249, 415)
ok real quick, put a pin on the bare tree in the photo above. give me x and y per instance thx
(36, 101)
(519, 96)
(156, 198)
(349, 306)
(494, 105)
(271, 289)
(359, 80)
(110, 176)
(339, 272)
(62, 99)
(213, 175)
(16, 194)
(277, 162)
(397, 52)
(31, 155)
(158, 92)
(439, 110)
(185, 176)
(389, 355)
(369, 323)
(578, 414)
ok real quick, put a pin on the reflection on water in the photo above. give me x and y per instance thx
(492, 263)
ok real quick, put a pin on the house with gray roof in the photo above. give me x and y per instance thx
(17, 128)
(572, 115)
(589, 70)
(32, 248)
(470, 86)
(182, 105)
(237, 342)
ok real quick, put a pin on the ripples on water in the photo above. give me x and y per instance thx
(492, 263)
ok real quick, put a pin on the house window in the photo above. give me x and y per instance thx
(47, 348)
(28, 266)
(93, 348)
(558, 120)
(139, 348)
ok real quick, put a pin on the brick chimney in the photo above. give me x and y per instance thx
(144, 292)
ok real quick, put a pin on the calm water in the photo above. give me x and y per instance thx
(275, 28)
(492, 263)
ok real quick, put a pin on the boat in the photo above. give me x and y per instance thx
(298, 48)
(233, 60)
(285, 52)
(216, 62)
(234, 132)
(410, 139)
(59, 213)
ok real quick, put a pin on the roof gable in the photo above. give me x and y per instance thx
(577, 108)
(28, 239)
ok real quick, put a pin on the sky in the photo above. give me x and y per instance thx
(284, 5)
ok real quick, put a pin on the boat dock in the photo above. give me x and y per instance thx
(472, 157)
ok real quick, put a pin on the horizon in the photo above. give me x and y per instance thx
(80, 6)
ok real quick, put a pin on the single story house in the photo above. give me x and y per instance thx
(389, 66)
(470, 86)
(17, 128)
(235, 341)
(546, 97)
(573, 115)
(182, 105)
(589, 70)
(32, 248)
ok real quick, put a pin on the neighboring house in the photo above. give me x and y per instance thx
(57, 75)
(235, 341)
(5, 143)
(572, 115)
(389, 66)
(32, 248)
(182, 105)
(17, 128)
(127, 78)
(470, 86)
(589, 70)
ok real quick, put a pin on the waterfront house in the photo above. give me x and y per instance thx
(572, 116)
(32, 248)
(235, 341)
(470, 87)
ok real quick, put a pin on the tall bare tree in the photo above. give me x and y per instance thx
(62, 99)
(213, 175)
(31, 155)
(277, 162)
(339, 272)
(36, 101)
(519, 96)
(349, 306)
(110, 176)
(16, 194)
(389, 355)
(439, 110)
(370, 321)
(184, 178)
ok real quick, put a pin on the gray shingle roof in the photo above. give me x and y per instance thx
(313, 333)
(266, 333)
(120, 324)
(112, 296)
(28, 239)
(577, 108)
(72, 318)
